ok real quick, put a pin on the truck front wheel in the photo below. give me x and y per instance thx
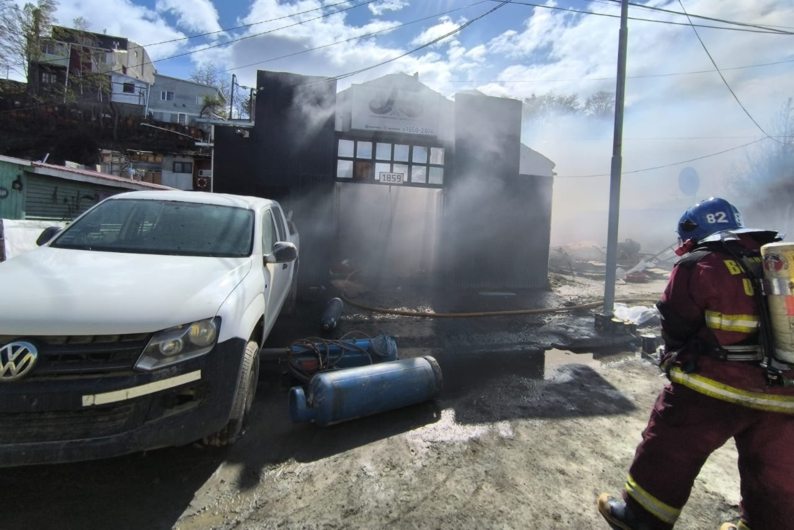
(244, 395)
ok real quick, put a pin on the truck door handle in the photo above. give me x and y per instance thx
(284, 266)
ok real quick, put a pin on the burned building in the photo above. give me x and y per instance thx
(395, 182)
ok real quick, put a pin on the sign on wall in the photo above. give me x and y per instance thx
(392, 110)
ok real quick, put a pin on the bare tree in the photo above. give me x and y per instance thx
(766, 184)
(209, 74)
(80, 23)
(550, 104)
(600, 105)
(21, 32)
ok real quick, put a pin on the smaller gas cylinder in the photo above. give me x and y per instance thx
(331, 314)
(342, 395)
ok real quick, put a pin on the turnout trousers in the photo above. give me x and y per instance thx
(685, 427)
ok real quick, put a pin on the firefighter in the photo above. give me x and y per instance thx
(721, 385)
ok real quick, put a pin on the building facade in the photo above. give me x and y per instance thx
(181, 101)
(396, 181)
(87, 67)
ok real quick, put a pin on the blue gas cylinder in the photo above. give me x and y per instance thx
(342, 395)
(310, 357)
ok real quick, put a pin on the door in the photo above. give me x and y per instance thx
(268, 239)
(273, 230)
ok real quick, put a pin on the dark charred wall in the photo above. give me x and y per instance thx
(288, 156)
(495, 221)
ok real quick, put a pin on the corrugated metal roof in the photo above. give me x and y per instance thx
(83, 175)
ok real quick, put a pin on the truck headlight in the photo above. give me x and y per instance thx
(179, 344)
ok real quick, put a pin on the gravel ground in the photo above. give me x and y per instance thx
(524, 435)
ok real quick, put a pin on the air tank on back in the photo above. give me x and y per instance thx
(779, 285)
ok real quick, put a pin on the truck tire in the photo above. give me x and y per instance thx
(244, 395)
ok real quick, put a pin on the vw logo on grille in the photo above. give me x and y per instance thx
(16, 360)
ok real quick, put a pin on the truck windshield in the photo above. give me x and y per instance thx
(143, 226)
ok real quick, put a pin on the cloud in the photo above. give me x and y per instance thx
(446, 25)
(379, 8)
(198, 15)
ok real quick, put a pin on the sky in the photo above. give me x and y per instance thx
(691, 93)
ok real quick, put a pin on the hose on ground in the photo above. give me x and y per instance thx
(506, 312)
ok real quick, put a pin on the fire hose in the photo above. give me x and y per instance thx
(505, 312)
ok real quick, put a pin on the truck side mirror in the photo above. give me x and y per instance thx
(47, 234)
(283, 252)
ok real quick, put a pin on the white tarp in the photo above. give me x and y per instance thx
(19, 236)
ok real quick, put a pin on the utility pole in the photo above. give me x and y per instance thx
(617, 165)
(231, 98)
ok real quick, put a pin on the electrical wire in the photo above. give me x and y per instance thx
(358, 37)
(254, 35)
(725, 81)
(743, 26)
(772, 29)
(242, 26)
(671, 164)
(423, 46)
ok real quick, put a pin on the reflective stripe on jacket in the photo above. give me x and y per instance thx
(755, 400)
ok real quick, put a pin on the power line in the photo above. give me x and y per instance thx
(223, 30)
(671, 164)
(744, 26)
(357, 37)
(430, 43)
(638, 76)
(725, 81)
(245, 37)
(772, 29)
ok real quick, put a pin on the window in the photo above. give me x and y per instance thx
(269, 236)
(383, 151)
(436, 175)
(344, 169)
(419, 174)
(128, 88)
(401, 152)
(166, 95)
(280, 229)
(346, 148)
(419, 155)
(50, 48)
(363, 149)
(48, 78)
(367, 161)
(181, 118)
(183, 167)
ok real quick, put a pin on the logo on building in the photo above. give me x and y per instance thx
(17, 359)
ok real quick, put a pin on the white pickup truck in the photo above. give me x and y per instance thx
(139, 325)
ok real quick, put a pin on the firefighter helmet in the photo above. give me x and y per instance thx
(708, 217)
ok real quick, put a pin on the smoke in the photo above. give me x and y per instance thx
(314, 104)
